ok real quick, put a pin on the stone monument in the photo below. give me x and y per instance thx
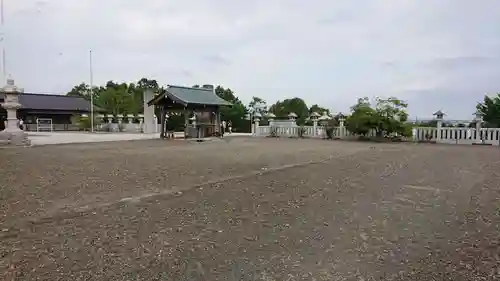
(149, 125)
(12, 133)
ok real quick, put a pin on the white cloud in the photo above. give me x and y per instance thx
(327, 52)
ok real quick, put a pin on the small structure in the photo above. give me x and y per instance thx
(270, 116)
(201, 103)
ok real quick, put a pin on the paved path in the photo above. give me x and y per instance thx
(44, 138)
(250, 209)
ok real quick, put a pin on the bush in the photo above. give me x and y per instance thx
(273, 132)
(301, 131)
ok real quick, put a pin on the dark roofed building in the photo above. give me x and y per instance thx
(59, 108)
(202, 103)
(57, 103)
(178, 97)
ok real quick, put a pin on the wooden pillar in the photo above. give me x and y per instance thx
(217, 120)
(162, 120)
(186, 123)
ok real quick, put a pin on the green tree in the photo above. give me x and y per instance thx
(236, 113)
(490, 110)
(363, 118)
(388, 117)
(80, 90)
(391, 116)
(285, 107)
(117, 98)
(318, 109)
(257, 102)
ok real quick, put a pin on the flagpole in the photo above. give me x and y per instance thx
(91, 93)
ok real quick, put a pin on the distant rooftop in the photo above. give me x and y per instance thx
(52, 102)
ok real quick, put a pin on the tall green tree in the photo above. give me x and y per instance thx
(363, 118)
(236, 113)
(490, 110)
(117, 98)
(389, 116)
(318, 109)
(295, 105)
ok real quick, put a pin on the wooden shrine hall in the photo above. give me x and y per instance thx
(200, 106)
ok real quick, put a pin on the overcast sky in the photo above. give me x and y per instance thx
(435, 54)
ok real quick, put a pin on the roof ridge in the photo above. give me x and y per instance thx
(189, 88)
(51, 95)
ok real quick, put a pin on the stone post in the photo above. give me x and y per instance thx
(439, 126)
(150, 124)
(341, 122)
(141, 122)
(342, 128)
(478, 119)
(256, 124)
(155, 124)
(256, 120)
(12, 133)
(479, 139)
(100, 117)
(314, 116)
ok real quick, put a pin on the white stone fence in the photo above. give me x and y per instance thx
(308, 131)
(438, 135)
(118, 124)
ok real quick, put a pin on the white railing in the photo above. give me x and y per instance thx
(445, 135)
(458, 135)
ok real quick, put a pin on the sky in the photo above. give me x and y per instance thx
(436, 55)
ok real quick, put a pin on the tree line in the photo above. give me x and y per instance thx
(127, 98)
(383, 115)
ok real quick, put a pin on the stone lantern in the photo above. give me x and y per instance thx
(314, 117)
(439, 117)
(270, 116)
(341, 119)
(478, 119)
(323, 121)
(141, 122)
(130, 118)
(292, 116)
(256, 119)
(12, 132)
(257, 116)
(119, 118)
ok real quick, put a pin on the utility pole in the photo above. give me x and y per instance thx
(2, 41)
(91, 93)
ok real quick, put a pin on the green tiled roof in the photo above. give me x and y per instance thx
(190, 95)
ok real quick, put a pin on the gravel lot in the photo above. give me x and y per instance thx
(250, 209)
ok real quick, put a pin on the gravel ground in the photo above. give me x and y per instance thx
(249, 209)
